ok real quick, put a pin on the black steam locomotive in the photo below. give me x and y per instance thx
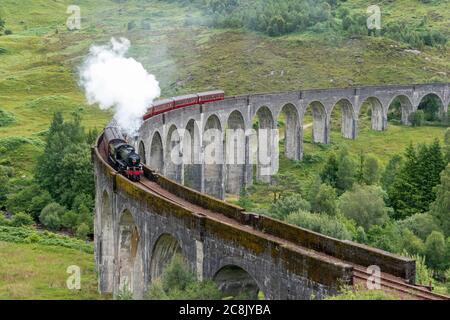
(122, 157)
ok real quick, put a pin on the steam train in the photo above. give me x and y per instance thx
(122, 156)
(166, 105)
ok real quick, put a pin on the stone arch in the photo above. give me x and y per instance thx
(265, 154)
(142, 153)
(213, 148)
(157, 153)
(348, 122)
(173, 164)
(428, 101)
(291, 131)
(192, 156)
(402, 105)
(106, 245)
(165, 248)
(235, 281)
(377, 116)
(235, 153)
(130, 275)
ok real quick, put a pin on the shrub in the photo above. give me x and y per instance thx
(421, 224)
(325, 200)
(3, 220)
(83, 231)
(417, 118)
(287, 205)
(21, 219)
(350, 293)
(329, 225)
(51, 216)
(179, 283)
(436, 248)
(365, 205)
(6, 118)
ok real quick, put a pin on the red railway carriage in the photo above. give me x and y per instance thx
(166, 105)
(210, 96)
(184, 101)
(159, 107)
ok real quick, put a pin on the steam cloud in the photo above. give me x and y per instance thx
(115, 81)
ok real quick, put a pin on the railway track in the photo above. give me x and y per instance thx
(389, 283)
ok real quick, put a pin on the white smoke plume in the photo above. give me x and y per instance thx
(113, 80)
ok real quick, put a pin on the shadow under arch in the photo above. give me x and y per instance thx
(164, 250)
(318, 124)
(289, 115)
(373, 109)
(129, 264)
(173, 162)
(400, 109)
(263, 153)
(141, 152)
(191, 156)
(347, 122)
(433, 106)
(157, 153)
(235, 153)
(234, 281)
(213, 148)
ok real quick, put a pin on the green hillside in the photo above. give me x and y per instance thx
(180, 42)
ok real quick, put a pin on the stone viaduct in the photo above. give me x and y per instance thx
(139, 227)
(160, 135)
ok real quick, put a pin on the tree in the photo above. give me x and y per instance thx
(329, 172)
(421, 224)
(325, 200)
(391, 171)
(284, 206)
(365, 205)
(284, 184)
(368, 170)
(412, 190)
(440, 209)
(64, 169)
(346, 172)
(447, 145)
(436, 250)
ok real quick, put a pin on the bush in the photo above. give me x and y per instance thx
(6, 118)
(421, 224)
(83, 231)
(179, 283)
(350, 293)
(417, 118)
(51, 216)
(287, 205)
(3, 220)
(325, 200)
(21, 219)
(322, 223)
(30, 235)
(436, 250)
(365, 205)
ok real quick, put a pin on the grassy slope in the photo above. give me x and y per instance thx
(39, 272)
(38, 76)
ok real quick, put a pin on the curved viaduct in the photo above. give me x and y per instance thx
(160, 135)
(139, 227)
